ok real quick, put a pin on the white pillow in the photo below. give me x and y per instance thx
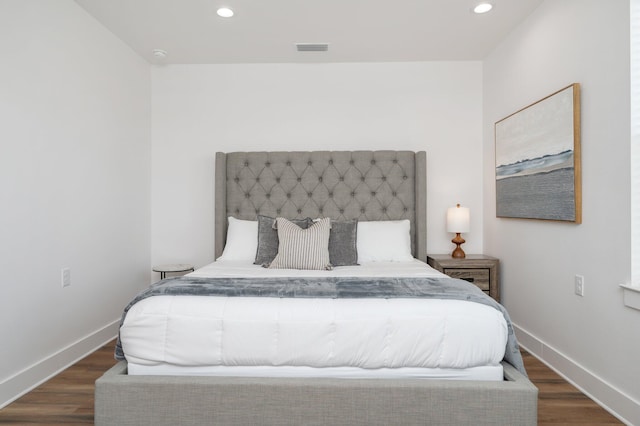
(384, 241)
(242, 240)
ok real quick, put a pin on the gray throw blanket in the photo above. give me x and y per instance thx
(332, 288)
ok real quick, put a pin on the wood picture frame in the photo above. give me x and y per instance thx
(538, 170)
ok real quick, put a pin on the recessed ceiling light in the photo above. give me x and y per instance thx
(159, 53)
(483, 8)
(225, 12)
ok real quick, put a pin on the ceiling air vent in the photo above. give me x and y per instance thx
(312, 47)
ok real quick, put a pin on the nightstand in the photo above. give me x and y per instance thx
(478, 269)
(164, 269)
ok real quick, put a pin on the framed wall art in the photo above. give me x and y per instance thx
(538, 160)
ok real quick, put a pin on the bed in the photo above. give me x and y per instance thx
(368, 186)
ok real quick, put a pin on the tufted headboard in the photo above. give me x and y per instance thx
(363, 185)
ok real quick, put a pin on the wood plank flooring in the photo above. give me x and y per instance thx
(560, 403)
(68, 397)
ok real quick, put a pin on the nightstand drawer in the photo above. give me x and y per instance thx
(479, 277)
(478, 269)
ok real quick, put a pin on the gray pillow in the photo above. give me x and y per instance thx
(303, 248)
(268, 238)
(343, 243)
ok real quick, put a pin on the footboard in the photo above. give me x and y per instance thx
(122, 400)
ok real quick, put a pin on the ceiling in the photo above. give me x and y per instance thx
(266, 31)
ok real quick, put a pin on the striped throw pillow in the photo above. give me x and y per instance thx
(302, 248)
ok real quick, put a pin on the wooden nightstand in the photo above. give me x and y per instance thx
(478, 269)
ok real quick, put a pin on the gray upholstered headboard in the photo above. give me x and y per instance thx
(363, 185)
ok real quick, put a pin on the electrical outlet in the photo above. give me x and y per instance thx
(579, 285)
(66, 277)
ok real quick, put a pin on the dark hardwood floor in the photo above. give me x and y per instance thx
(560, 403)
(68, 397)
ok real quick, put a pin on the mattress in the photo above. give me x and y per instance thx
(252, 336)
(484, 373)
(413, 268)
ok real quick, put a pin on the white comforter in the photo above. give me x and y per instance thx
(192, 331)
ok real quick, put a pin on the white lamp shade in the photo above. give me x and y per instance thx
(458, 219)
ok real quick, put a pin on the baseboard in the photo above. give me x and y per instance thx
(29, 378)
(616, 402)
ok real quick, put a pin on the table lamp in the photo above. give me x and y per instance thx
(458, 222)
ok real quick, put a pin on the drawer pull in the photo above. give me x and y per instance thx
(469, 279)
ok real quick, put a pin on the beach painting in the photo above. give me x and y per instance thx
(538, 160)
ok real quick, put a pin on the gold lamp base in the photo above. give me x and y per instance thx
(458, 253)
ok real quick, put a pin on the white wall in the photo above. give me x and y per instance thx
(74, 186)
(593, 340)
(201, 109)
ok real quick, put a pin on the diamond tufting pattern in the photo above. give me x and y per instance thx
(342, 185)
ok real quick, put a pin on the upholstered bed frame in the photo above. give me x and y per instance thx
(366, 185)
(363, 185)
